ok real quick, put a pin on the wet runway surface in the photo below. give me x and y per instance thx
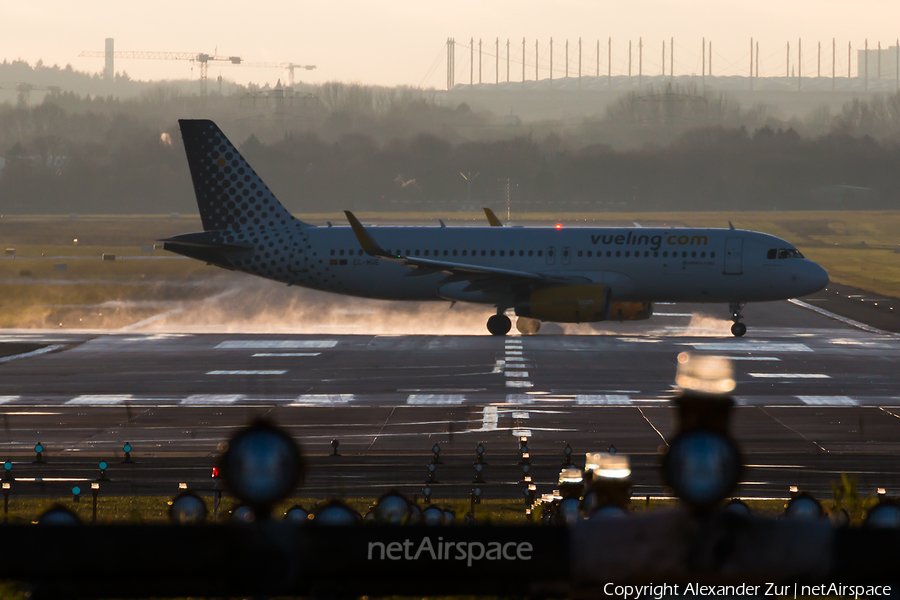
(816, 397)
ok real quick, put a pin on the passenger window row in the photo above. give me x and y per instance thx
(581, 253)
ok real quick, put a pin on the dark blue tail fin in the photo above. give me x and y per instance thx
(229, 193)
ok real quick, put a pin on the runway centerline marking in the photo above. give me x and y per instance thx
(272, 354)
(264, 372)
(435, 399)
(790, 375)
(603, 399)
(513, 353)
(323, 400)
(101, 399)
(519, 399)
(514, 383)
(828, 400)
(515, 373)
(273, 344)
(212, 399)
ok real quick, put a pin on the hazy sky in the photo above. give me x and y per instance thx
(403, 41)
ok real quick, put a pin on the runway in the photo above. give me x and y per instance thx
(815, 397)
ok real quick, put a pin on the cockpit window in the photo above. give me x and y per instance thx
(773, 253)
(789, 253)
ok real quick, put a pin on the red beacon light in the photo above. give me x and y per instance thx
(559, 225)
(215, 472)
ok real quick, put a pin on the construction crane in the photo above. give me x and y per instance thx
(25, 89)
(289, 66)
(198, 57)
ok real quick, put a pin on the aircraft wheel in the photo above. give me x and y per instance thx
(738, 329)
(528, 326)
(499, 325)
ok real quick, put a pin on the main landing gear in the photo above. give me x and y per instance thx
(738, 329)
(499, 324)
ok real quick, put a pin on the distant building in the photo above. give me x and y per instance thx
(885, 68)
(843, 196)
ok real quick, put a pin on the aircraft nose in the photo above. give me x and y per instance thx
(815, 278)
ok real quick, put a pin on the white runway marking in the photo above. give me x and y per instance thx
(519, 399)
(435, 399)
(323, 400)
(37, 352)
(512, 353)
(515, 373)
(521, 415)
(828, 400)
(8, 399)
(212, 399)
(521, 433)
(790, 375)
(513, 383)
(752, 346)
(515, 359)
(752, 358)
(273, 344)
(101, 399)
(831, 315)
(489, 419)
(270, 354)
(605, 399)
(662, 314)
(246, 372)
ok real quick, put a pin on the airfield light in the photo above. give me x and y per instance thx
(794, 490)
(737, 507)
(7, 471)
(242, 514)
(479, 453)
(479, 476)
(567, 452)
(392, 509)
(568, 512)
(449, 517)
(58, 515)
(433, 516)
(607, 466)
(426, 493)
(710, 375)
(336, 513)
(334, 447)
(884, 515)
(127, 449)
(39, 453)
(432, 468)
(6, 485)
(477, 494)
(881, 491)
(215, 473)
(182, 486)
(76, 493)
(559, 225)
(436, 455)
(297, 514)
(261, 466)
(95, 486)
(702, 467)
(804, 506)
(187, 508)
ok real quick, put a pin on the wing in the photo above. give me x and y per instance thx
(486, 277)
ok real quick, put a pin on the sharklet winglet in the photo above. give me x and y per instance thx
(368, 243)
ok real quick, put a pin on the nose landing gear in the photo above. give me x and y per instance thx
(499, 324)
(738, 329)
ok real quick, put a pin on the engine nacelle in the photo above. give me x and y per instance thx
(566, 304)
(630, 311)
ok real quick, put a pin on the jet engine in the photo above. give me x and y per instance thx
(630, 311)
(566, 304)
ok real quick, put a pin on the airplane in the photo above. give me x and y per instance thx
(554, 274)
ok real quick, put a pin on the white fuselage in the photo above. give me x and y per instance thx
(637, 264)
